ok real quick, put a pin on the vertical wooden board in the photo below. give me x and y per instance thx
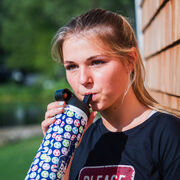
(158, 34)
(171, 59)
(153, 94)
(153, 8)
(143, 15)
(148, 71)
(158, 69)
(177, 19)
(144, 45)
(167, 100)
(155, 73)
(162, 69)
(178, 69)
(172, 2)
(163, 29)
(145, 42)
(174, 102)
(178, 104)
(168, 71)
(157, 26)
(165, 71)
(165, 25)
(153, 37)
(174, 70)
(152, 73)
(170, 22)
(148, 41)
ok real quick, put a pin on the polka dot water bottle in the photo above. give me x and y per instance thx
(61, 139)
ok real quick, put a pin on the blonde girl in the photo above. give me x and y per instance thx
(132, 139)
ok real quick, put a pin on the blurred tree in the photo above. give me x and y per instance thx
(27, 28)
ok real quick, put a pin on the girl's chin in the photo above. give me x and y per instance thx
(96, 107)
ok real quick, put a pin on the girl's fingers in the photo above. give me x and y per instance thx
(46, 123)
(53, 109)
(53, 112)
(56, 104)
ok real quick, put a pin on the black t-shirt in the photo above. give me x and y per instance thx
(150, 151)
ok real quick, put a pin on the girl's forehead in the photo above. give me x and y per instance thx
(87, 40)
(81, 49)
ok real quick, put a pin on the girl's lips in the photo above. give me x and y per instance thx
(93, 96)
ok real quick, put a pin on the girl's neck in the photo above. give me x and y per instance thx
(125, 115)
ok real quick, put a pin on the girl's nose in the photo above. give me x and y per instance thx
(85, 76)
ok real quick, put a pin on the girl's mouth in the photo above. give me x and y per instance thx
(93, 96)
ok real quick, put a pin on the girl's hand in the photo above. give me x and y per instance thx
(57, 107)
(53, 108)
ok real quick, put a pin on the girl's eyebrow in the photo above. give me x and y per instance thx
(68, 62)
(97, 57)
(88, 59)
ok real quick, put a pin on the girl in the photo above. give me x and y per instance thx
(132, 139)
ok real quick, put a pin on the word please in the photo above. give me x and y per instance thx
(111, 172)
(107, 177)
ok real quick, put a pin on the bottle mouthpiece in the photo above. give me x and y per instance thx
(87, 99)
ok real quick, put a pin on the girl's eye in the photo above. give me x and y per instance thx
(71, 67)
(97, 62)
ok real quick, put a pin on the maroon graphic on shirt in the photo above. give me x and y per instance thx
(114, 172)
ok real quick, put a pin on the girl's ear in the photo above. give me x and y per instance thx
(132, 60)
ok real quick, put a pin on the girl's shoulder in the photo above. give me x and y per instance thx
(166, 120)
(166, 125)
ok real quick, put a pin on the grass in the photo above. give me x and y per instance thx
(15, 159)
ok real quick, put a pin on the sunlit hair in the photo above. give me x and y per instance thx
(114, 31)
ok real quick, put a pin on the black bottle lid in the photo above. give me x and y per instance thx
(70, 99)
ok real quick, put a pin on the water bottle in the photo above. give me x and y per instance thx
(61, 138)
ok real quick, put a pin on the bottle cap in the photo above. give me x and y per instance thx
(63, 95)
(67, 96)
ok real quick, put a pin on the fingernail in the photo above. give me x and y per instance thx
(61, 103)
(60, 108)
(52, 118)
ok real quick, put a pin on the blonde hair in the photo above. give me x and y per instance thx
(113, 30)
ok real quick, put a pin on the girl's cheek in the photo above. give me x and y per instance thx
(70, 80)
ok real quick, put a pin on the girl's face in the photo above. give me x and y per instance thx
(89, 70)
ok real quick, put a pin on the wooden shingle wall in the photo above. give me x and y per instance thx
(161, 32)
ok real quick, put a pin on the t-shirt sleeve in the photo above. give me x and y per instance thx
(169, 148)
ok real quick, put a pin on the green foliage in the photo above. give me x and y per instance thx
(27, 28)
(15, 159)
(43, 93)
